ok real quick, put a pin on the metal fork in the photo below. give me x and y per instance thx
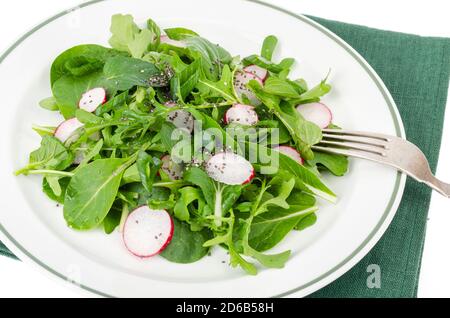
(389, 150)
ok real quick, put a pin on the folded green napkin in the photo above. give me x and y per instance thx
(416, 71)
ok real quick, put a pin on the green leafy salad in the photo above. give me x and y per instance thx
(179, 146)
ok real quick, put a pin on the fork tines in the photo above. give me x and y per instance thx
(353, 143)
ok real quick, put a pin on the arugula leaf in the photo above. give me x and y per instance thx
(126, 35)
(179, 33)
(188, 196)
(50, 155)
(280, 87)
(222, 88)
(308, 178)
(214, 57)
(304, 133)
(187, 79)
(314, 93)
(86, 117)
(280, 199)
(201, 179)
(268, 65)
(147, 167)
(47, 189)
(113, 104)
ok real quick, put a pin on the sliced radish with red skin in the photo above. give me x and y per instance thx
(92, 99)
(147, 232)
(240, 82)
(180, 118)
(262, 73)
(67, 128)
(230, 168)
(174, 170)
(290, 152)
(165, 39)
(241, 114)
(317, 113)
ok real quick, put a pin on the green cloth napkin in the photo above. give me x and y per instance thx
(416, 71)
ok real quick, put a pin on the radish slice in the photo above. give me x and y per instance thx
(166, 40)
(240, 86)
(92, 99)
(67, 128)
(174, 170)
(290, 152)
(241, 114)
(180, 118)
(230, 168)
(147, 232)
(260, 72)
(317, 113)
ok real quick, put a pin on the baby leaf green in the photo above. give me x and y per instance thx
(92, 191)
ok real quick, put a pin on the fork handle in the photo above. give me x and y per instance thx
(441, 187)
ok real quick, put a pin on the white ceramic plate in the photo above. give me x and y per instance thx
(34, 229)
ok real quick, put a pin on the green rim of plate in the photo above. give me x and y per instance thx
(325, 31)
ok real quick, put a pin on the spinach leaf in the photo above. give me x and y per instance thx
(80, 60)
(92, 191)
(270, 228)
(336, 164)
(269, 260)
(186, 246)
(269, 45)
(112, 219)
(123, 73)
(68, 89)
(307, 221)
(49, 104)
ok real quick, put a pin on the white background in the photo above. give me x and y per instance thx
(428, 18)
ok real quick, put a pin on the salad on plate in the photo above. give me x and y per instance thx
(178, 145)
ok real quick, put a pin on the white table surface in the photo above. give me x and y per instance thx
(428, 18)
